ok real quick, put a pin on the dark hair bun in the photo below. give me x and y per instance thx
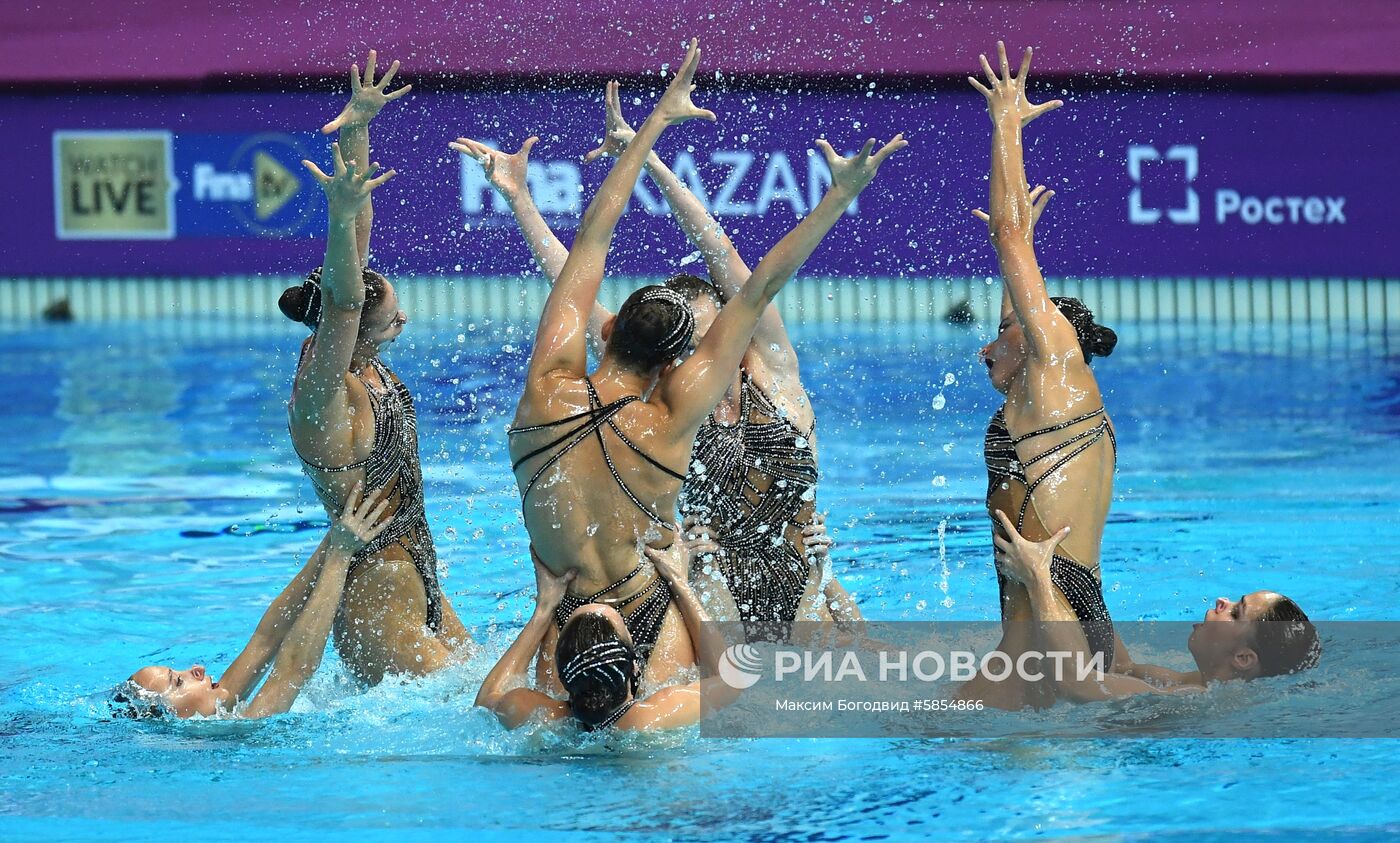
(1094, 339)
(303, 304)
(1102, 341)
(294, 302)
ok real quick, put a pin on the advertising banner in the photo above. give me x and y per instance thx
(1148, 183)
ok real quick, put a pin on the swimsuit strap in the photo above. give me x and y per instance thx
(645, 621)
(578, 434)
(643, 454)
(612, 469)
(571, 602)
(625, 579)
(379, 439)
(591, 422)
(1054, 427)
(1096, 432)
(1060, 463)
(617, 715)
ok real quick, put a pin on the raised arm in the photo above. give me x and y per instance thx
(697, 386)
(301, 649)
(672, 565)
(511, 704)
(816, 543)
(1056, 625)
(1013, 210)
(727, 269)
(560, 345)
(508, 174)
(366, 99)
(678, 706)
(248, 669)
(320, 394)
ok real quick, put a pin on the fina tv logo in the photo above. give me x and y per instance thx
(740, 666)
(1230, 205)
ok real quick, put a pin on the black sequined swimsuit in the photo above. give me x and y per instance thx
(754, 482)
(393, 462)
(1009, 491)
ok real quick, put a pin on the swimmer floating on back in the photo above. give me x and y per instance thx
(290, 639)
(1262, 634)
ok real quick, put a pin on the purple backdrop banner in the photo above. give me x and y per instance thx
(1201, 184)
(180, 40)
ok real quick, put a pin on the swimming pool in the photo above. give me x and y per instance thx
(151, 506)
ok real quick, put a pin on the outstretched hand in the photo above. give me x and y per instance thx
(675, 105)
(616, 132)
(361, 521)
(1006, 96)
(348, 187)
(854, 173)
(367, 97)
(506, 172)
(1021, 559)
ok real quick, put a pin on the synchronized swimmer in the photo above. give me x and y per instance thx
(674, 484)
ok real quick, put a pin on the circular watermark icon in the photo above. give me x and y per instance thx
(740, 666)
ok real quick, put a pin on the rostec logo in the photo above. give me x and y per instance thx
(1230, 205)
(1137, 214)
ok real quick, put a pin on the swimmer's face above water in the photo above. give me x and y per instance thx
(185, 692)
(1006, 355)
(385, 321)
(1224, 643)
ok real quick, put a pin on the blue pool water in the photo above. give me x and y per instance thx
(150, 507)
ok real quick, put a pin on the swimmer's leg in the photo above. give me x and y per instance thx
(674, 651)
(381, 627)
